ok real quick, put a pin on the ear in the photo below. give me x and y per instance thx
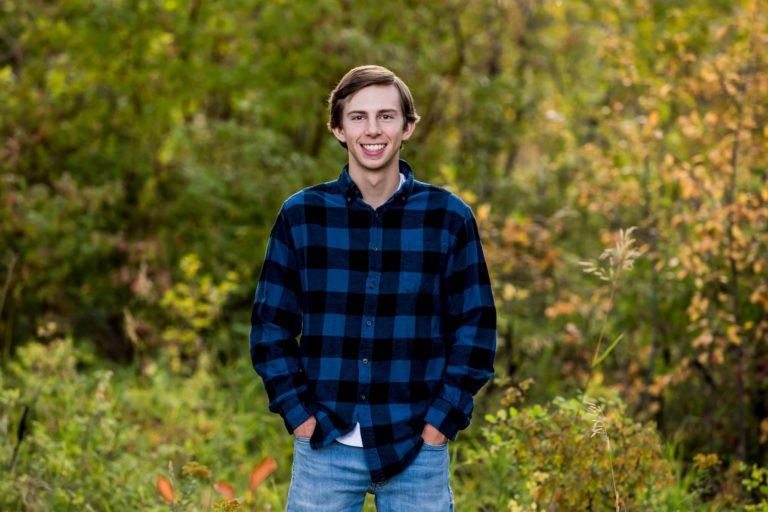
(338, 132)
(408, 131)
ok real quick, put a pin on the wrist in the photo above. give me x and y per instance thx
(306, 429)
(432, 435)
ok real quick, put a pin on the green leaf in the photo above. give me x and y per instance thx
(608, 350)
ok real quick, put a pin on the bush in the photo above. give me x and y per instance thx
(76, 437)
(567, 455)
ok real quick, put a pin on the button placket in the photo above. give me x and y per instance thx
(371, 287)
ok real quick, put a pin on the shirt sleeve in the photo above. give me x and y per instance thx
(275, 324)
(470, 327)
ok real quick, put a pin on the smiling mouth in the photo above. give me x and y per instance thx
(373, 148)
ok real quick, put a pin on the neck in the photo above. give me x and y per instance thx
(376, 186)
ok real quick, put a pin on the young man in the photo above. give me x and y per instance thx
(385, 280)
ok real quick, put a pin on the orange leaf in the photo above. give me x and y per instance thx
(262, 471)
(225, 489)
(165, 488)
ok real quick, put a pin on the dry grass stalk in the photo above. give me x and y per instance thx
(609, 267)
(598, 429)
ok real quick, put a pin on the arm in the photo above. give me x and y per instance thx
(275, 324)
(470, 327)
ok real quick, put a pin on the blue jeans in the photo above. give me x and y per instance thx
(335, 478)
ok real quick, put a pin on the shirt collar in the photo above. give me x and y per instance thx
(351, 191)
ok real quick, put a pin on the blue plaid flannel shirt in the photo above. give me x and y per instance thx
(395, 312)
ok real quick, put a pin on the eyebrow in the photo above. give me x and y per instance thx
(385, 111)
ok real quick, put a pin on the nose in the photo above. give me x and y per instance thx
(372, 127)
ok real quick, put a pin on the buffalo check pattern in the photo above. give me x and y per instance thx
(394, 311)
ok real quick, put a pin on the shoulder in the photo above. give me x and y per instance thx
(313, 195)
(437, 197)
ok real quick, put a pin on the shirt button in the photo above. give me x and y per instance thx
(375, 248)
(371, 286)
(368, 323)
(365, 360)
(362, 396)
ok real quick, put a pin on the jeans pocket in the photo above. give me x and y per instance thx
(435, 447)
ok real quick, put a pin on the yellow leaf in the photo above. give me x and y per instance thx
(733, 334)
(483, 212)
(469, 196)
(703, 461)
(703, 340)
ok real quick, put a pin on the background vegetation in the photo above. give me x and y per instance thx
(146, 145)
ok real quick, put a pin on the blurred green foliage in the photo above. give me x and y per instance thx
(146, 145)
(542, 460)
(96, 438)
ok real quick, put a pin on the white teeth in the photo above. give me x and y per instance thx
(373, 147)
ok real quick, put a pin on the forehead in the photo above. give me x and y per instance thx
(374, 98)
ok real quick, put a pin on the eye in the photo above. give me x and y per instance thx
(356, 117)
(387, 116)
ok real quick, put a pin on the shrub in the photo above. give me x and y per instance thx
(566, 456)
(78, 437)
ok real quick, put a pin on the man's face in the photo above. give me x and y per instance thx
(373, 128)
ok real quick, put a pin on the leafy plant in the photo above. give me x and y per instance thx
(544, 457)
(756, 483)
(196, 487)
(70, 430)
(192, 305)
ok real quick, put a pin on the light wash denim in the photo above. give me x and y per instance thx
(335, 479)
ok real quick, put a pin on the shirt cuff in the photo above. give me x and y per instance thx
(295, 412)
(446, 418)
